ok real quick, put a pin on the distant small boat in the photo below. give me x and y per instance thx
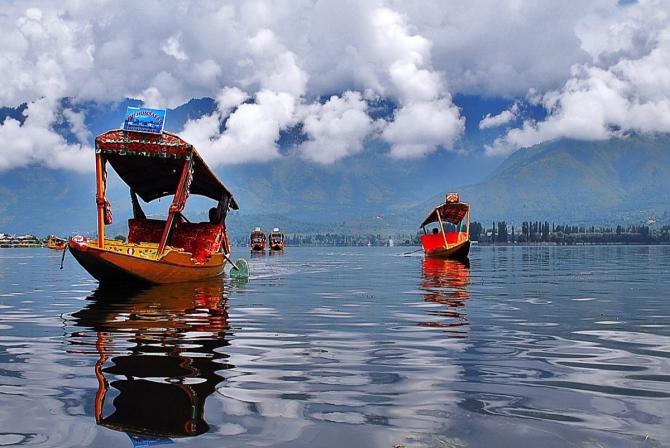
(157, 251)
(55, 243)
(257, 240)
(276, 239)
(450, 238)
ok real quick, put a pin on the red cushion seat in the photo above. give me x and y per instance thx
(145, 230)
(200, 239)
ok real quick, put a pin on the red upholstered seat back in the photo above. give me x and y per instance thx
(200, 239)
(145, 230)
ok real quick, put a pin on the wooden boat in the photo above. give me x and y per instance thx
(53, 242)
(450, 237)
(156, 251)
(257, 240)
(276, 239)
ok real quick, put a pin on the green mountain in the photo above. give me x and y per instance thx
(368, 184)
(43, 201)
(352, 194)
(614, 181)
(290, 192)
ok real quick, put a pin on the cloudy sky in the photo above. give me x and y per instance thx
(599, 69)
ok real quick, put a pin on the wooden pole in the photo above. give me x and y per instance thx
(100, 199)
(444, 236)
(178, 197)
(232, 264)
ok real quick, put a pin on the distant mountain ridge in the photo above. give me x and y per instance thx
(614, 181)
(617, 181)
(368, 184)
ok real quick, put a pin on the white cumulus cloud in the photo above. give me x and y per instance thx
(419, 128)
(77, 125)
(426, 118)
(584, 60)
(172, 47)
(250, 133)
(599, 101)
(504, 117)
(35, 142)
(335, 129)
(276, 68)
(252, 129)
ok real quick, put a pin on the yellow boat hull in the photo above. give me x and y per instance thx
(56, 245)
(127, 262)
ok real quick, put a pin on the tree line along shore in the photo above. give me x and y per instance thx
(500, 232)
(533, 232)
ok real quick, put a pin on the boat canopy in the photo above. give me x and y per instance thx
(452, 212)
(152, 165)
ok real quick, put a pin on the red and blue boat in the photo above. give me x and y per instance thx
(446, 229)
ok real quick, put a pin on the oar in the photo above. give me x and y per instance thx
(62, 257)
(414, 251)
(232, 263)
(241, 267)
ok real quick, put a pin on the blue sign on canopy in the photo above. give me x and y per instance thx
(142, 119)
(141, 441)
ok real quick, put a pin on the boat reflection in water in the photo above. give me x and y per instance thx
(159, 352)
(446, 282)
(257, 254)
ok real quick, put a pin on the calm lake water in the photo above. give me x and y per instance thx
(344, 347)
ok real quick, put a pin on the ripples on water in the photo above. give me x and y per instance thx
(550, 346)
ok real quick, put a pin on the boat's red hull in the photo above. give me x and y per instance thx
(457, 245)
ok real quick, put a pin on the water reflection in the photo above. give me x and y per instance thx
(257, 254)
(445, 282)
(159, 352)
(566, 346)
